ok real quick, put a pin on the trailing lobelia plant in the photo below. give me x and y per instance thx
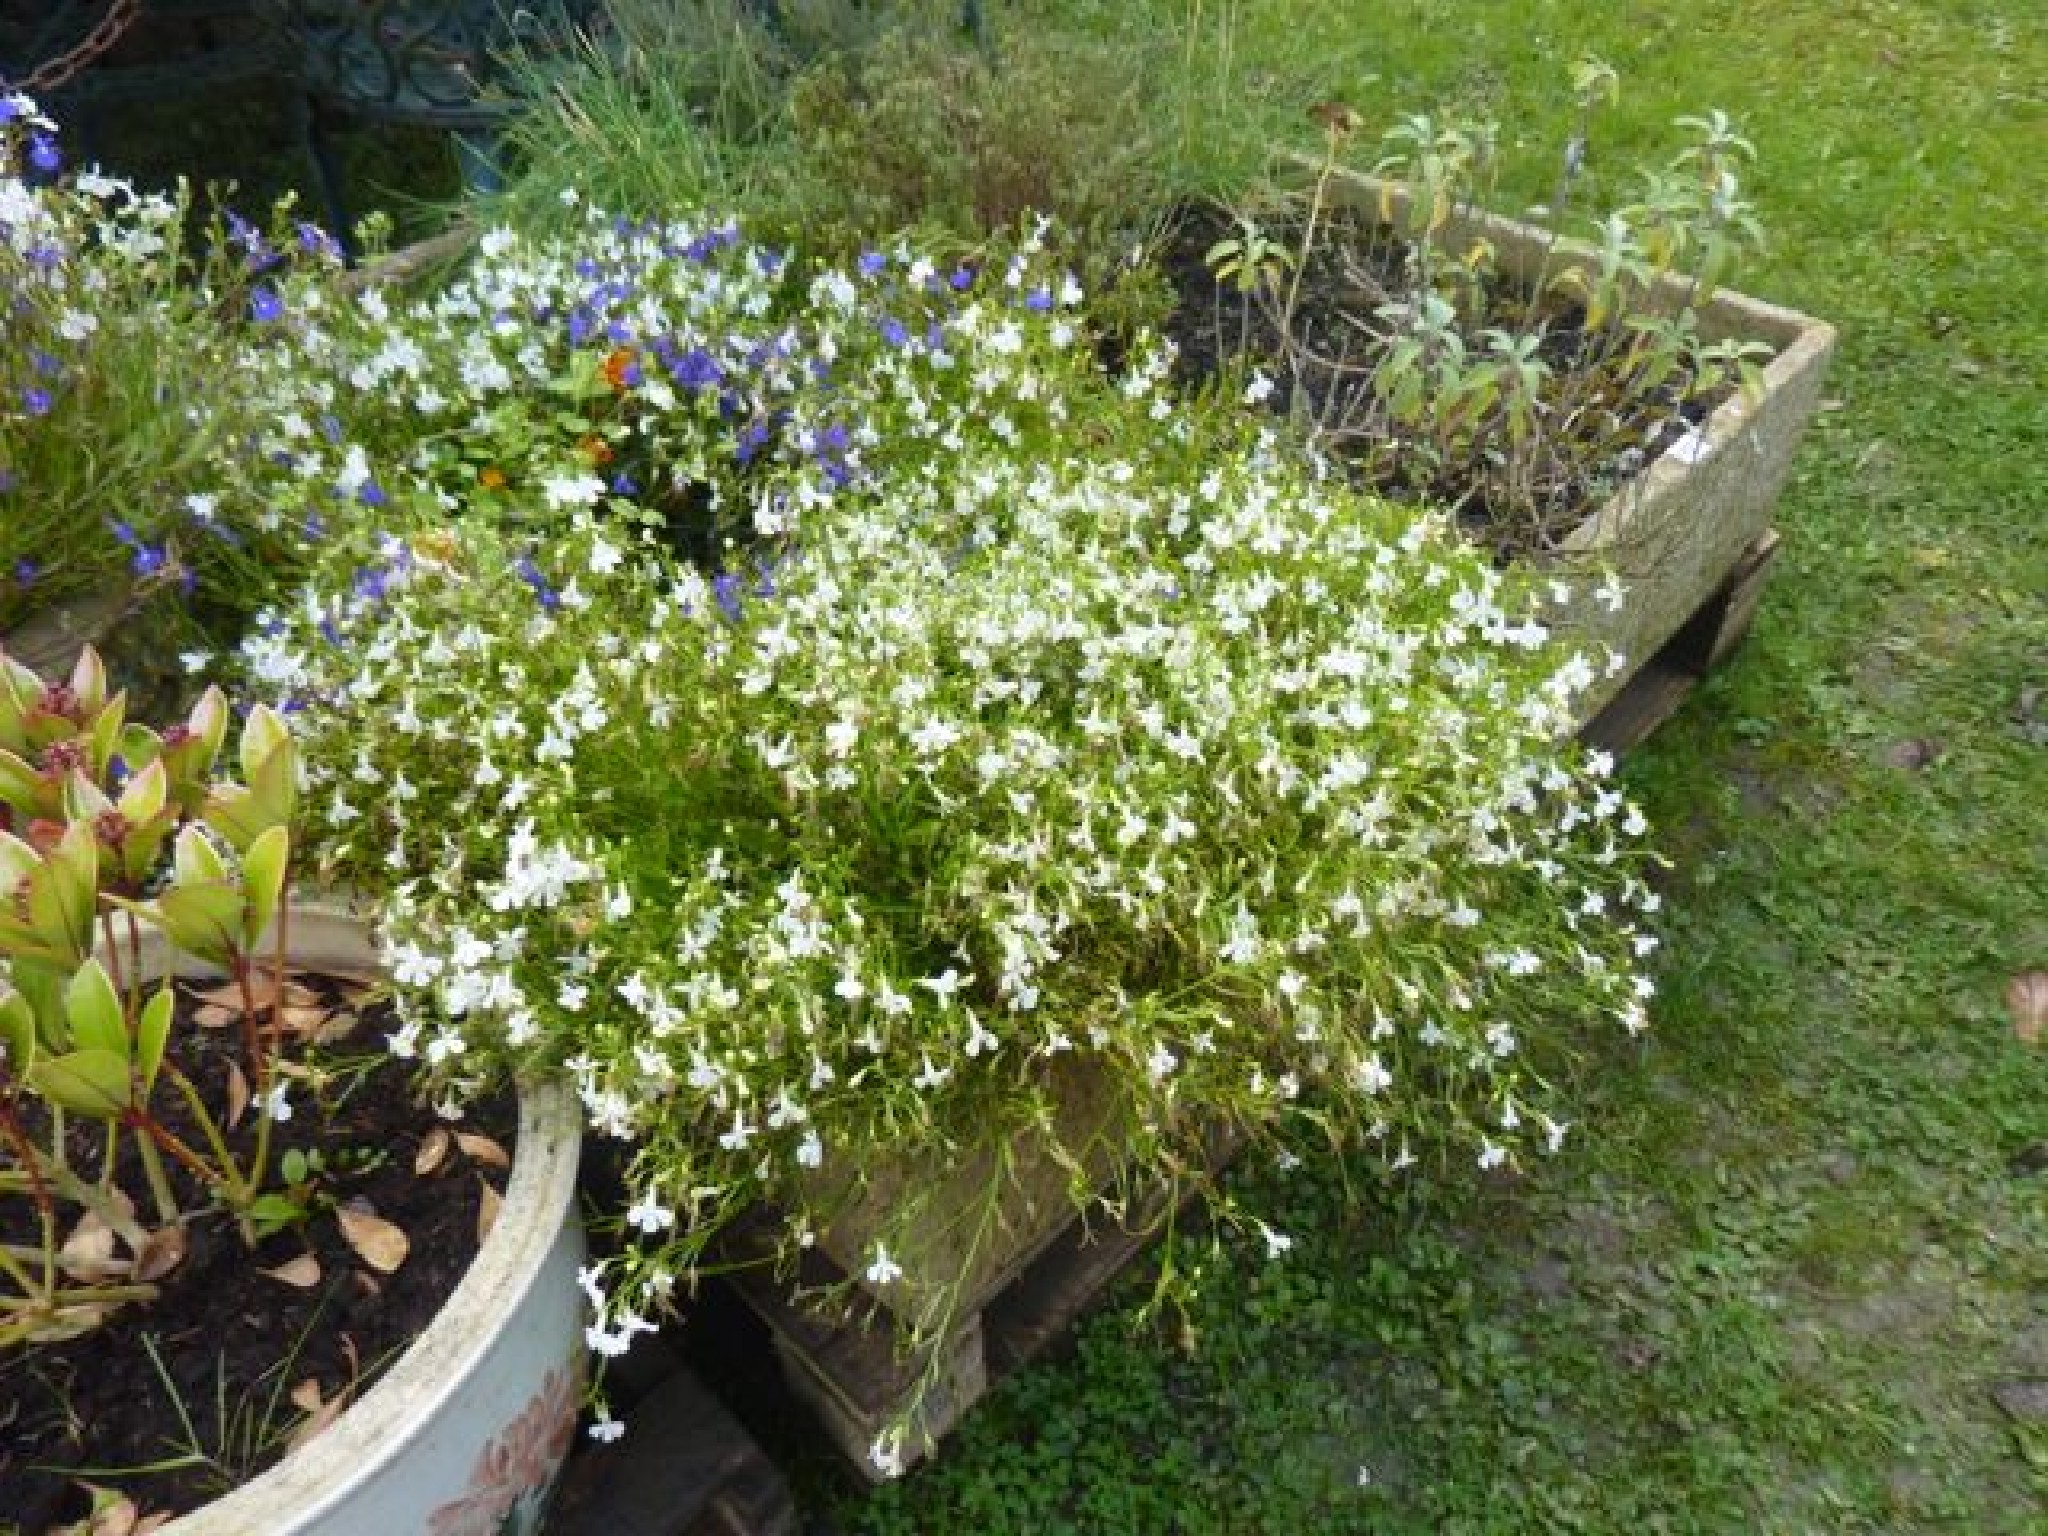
(92, 809)
(1081, 734)
(134, 320)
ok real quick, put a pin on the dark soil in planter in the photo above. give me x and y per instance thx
(1355, 266)
(224, 1346)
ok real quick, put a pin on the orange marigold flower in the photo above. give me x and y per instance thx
(491, 478)
(597, 450)
(621, 369)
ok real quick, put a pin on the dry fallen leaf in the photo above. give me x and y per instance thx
(2027, 997)
(483, 1150)
(333, 1028)
(433, 1153)
(319, 1413)
(113, 1514)
(487, 1210)
(358, 993)
(238, 1095)
(302, 1273)
(1337, 118)
(163, 1251)
(214, 1016)
(380, 1245)
(304, 1020)
(88, 1253)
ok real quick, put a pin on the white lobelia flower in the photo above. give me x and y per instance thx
(648, 1214)
(946, 985)
(887, 1455)
(567, 491)
(884, 1270)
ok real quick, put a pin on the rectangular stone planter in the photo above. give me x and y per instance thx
(1676, 532)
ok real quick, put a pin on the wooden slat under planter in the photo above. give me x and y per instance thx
(850, 1366)
(980, 1215)
(1675, 533)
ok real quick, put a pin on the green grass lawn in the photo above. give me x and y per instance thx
(1795, 1260)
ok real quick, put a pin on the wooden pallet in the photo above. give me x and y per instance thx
(1703, 643)
(850, 1369)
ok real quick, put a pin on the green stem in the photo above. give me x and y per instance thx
(259, 1166)
(71, 1187)
(159, 1184)
(1308, 234)
(265, 1069)
(226, 1175)
(16, 1271)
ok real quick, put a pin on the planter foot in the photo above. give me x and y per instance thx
(1702, 643)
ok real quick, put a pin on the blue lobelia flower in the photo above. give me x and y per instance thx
(257, 254)
(372, 583)
(36, 401)
(265, 307)
(530, 573)
(725, 589)
(315, 241)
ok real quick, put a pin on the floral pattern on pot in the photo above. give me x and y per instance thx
(508, 1485)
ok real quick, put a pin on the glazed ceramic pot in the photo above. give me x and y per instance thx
(465, 1433)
